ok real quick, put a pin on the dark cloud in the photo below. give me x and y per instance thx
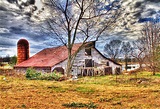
(138, 4)
(16, 30)
(3, 8)
(27, 3)
(145, 19)
(154, 1)
(6, 43)
(137, 14)
(13, 1)
(151, 12)
(31, 1)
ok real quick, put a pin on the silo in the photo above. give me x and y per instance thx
(22, 50)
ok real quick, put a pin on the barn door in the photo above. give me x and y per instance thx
(88, 63)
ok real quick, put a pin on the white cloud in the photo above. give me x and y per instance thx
(4, 30)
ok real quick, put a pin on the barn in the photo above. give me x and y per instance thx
(89, 61)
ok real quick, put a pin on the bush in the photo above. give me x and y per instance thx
(50, 76)
(32, 74)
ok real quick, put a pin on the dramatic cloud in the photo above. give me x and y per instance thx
(21, 19)
(135, 14)
(18, 20)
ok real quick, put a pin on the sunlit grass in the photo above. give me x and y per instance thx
(106, 92)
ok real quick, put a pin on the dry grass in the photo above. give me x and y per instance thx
(107, 92)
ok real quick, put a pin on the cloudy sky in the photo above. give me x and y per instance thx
(19, 19)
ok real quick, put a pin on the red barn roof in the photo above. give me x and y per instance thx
(48, 57)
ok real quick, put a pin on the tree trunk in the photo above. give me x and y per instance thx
(140, 64)
(153, 70)
(69, 63)
(153, 61)
(126, 63)
(154, 73)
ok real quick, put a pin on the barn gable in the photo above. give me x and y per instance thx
(90, 60)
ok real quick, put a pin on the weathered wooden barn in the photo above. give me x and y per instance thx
(89, 61)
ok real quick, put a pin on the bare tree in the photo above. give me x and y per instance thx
(126, 51)
(138, 51)
(112, 49)
(151, 33)
(73, 21)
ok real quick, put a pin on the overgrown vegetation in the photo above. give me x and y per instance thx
(32, 74)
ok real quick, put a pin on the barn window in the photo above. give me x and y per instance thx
(107, 63)
(89, 63)
(108, 70)
(88, 51)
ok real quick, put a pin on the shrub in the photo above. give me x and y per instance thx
(32, 74)
(50, 76)
(55, 75)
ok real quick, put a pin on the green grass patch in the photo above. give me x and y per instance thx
(158, 75)
(85, 90)
(57, 89)
(23, 106)
(80, 105)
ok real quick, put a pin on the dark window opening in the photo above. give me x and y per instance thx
(107, 63)
(88, 51)
(89, 63)
(108, 70)
(117, 71)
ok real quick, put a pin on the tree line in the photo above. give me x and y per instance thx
(146, 49)
(12, 60)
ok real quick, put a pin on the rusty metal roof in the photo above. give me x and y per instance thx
(48, 57)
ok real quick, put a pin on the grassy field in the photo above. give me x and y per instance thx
(141, 91)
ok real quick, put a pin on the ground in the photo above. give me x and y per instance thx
(141, 91)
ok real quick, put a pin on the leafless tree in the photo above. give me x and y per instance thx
(138, 51)
(151, 33)
(73, 21)
(112, 49)
(126, 51)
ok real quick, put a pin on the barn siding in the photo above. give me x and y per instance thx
(80, 61)
(61, 64)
